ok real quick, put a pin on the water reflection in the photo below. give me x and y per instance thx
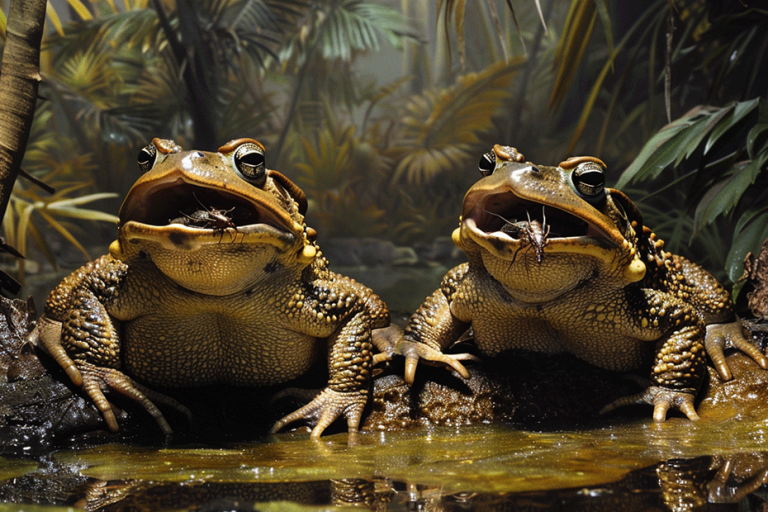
(696, 484)
(477, 468)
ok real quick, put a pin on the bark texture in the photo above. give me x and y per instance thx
(19, 80)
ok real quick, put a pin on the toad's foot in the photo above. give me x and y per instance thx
(714, 342)
(47, 335)
(385, 340)
(326, 408)
(662, 400)
(413, 351)
(97, 381)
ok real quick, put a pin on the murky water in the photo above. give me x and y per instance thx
(677, 465)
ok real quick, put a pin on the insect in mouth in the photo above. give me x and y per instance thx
(531, 233)
(207, 218)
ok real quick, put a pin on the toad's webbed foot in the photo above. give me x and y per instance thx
(326, 407)
(414, 351)
(662, 400)
(97, 381)
(715, 341)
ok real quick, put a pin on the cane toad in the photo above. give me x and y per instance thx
(214, 279)
(594, 282)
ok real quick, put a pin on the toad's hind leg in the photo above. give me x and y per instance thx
(81, 336)
(97, 381)
(350, 360)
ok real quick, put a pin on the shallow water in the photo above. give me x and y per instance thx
(677, 465)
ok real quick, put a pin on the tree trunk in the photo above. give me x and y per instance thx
(19, 80)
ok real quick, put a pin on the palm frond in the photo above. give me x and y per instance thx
(19, 223)
(442, 129)
(344, 28)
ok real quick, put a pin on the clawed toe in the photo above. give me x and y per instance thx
(325, 409)
(662, 400)
(715, 343)
(97, 380)
(415, 352)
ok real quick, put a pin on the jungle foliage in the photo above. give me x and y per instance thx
(392, 156)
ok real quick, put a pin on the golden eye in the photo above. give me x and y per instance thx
(250, 161)
(146, 158)
(487, 163)
(589, 180)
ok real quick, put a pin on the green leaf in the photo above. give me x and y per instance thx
(753, 135)
(694, 134)
(723, 196)
(740, 109)
(657, 153)
(680, 139)
(749, 239)
(353, 26)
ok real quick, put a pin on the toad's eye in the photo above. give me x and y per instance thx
(146, 158)
(250, 161)
(589, 181)
(487, 163)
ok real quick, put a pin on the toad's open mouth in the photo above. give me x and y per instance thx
(509, 217)
(200, 208)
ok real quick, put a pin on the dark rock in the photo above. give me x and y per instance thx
(540, 391)
(36, 406)
(530, 390)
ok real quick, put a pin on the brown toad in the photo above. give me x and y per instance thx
(598, 285)
(214, 279)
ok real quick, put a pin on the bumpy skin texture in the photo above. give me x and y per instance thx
(602, 289)
(183, 304)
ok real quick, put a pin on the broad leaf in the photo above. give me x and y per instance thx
(683, 137)
(725, 195)
(739, 110)
(748, 239)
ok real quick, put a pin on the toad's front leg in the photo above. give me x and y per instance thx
(680, 364)
(350, 360)
(434, 327)
(79, 334)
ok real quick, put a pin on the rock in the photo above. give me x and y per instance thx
(534, 391)
(528, 389)
(441, 249)
(36, 406)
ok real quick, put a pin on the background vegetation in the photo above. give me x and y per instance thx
(391, 156)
